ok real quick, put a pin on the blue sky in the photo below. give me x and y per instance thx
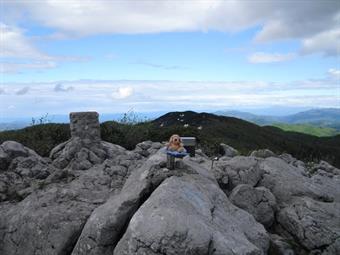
(111, 56)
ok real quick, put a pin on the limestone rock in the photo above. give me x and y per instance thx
(23, 171)
(147, 148)
(31, 167)
(293, 161)
(191, 215)
(14, 149)
(106, 224)
(324, 168)
(4, 158)
(285, 181)
(240, 170)
(259, 202)
(313, 223)
(264, 153)
(280, 246)
(51, 218)
(228, 151)
(85, 147)
(85, 125)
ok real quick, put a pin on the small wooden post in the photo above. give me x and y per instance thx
(170, 163)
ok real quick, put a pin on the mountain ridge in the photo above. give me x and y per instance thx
(326, 117)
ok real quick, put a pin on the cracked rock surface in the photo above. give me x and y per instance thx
(191, 215)
(259, 202)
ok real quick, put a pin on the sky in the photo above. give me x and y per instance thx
(58, 56)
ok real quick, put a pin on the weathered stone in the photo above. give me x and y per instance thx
(85, 147)
(147, 148)
(280, 246)
(285, 181)
(32, 167)
(240, 170)
(332, 249)
(264, 153)
(313, 223)
(50, 219)
(227, 150)
(14, 149)
(85, 125)
(191, 215)
(300, 165)
(3, 160)
(259, 202)
(324, 167)
(104, 228)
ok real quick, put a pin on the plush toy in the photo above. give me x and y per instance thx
(175, 144)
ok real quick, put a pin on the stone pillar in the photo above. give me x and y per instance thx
(85, 125)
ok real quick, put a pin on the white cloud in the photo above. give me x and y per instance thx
(122, 93)
(15, 45)
(262, 57)
(278, 20)
(327, 42)
(165, 95)
(10, 67)
(334, 73)
(19, 53)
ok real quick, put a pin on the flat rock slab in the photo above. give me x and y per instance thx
(191, 215)
(313, 223)
(286, 181)
(239, 170)
(259, 202)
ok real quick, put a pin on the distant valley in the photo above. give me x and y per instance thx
(318, 122)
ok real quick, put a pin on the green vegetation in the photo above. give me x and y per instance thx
(307, 129)
(210, 130)
(40, 138)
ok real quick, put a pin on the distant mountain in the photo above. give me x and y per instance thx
(323, 117)
(328, 117)
(11, 123)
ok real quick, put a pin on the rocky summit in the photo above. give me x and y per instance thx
(97, 198)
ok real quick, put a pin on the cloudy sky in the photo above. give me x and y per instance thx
(58, 56)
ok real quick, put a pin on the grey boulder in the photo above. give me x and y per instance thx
(191, 215)
(51, 217)
(259, 202)
(3, 160)
(49, 220)
(14, 149)
(280, 246)
(263, 153)
(286, 181)
(107, 223)
(315, 224)
(239, 170)
(228, 151)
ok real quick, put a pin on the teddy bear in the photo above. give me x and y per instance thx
(175, 144)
